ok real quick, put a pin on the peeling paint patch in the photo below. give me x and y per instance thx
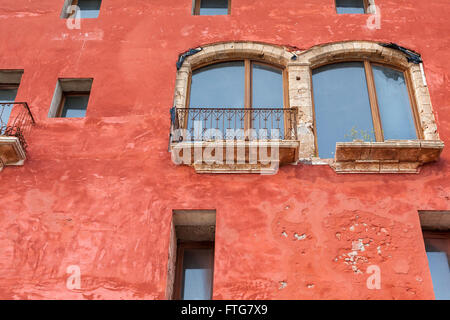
(283, 284)
(298, 237)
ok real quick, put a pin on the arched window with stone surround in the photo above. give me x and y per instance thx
(364, 107)
(242, 91)
(361, 100)
(392, 130)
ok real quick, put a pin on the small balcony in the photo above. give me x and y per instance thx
(234, 140)
(16, 121)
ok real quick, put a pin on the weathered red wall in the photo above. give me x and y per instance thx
(99, 192)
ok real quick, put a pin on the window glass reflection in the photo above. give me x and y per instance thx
(75, 106)
(394, 104)
(342, 106)
(350, 6)
(438, 252)
(6, 95)
(197, 274)
(213, 7)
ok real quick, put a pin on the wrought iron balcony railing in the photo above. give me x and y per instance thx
(16, 120)
(234, 123)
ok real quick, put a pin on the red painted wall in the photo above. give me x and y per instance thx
(99, 192)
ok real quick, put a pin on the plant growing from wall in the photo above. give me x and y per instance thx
(360, 135)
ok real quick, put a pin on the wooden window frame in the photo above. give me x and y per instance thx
(366, 6)
(181, 247)
(373, 99)
(8, 86)
(430, 234)
(197, 5)
(248, 92)
(69, 94)
(437, 235)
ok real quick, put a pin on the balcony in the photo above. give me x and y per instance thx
(15, 125)
(234, 140)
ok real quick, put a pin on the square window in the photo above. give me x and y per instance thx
(86, 8)
(351, 6)
(211, 7)
(71, 98)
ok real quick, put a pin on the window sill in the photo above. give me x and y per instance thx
(392, 156)
(287, 154)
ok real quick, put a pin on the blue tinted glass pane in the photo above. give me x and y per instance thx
(197, 274)
(6, 95)
(220, 85)
(440, 274)
(342, 106)
(75, 106)
(350, 6)
(394, 104)
(267, 87)
(89, 8)
(267, 92)
(213, 7)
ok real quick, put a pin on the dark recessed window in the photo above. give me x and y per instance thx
(191, 254)
(71, 98)
(437, 246)
(361, 101)
(351, 6)
(211, 7)
(196, 268)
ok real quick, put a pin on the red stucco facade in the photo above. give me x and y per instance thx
(99, 191)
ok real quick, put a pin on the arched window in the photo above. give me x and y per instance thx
(359, 106)
(239, 94)
(361, 100)
(237, 84)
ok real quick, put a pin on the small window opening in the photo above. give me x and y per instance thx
(86, 8)
(211, 7)
(71, 98)
(351, 6)
(191, 257)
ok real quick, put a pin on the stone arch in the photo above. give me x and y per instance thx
(334, 52)
(225, 51)
(299, 64)
(300, 88)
